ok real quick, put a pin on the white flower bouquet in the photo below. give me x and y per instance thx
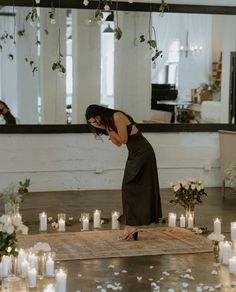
(9, 227)
(188, 193)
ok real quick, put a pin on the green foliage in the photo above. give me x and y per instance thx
(8, 244)
(188, 193)
(118, 33)
(32, 15)
(13, 195)
(58, 66)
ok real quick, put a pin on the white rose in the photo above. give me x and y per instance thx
(85, 2)
(199, 188)
(4, 219)
(186, 187)
(46, 246)
(193, 186)
(177, 187)
(10, 229)
(107, 7)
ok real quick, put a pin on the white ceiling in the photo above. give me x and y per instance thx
(191, 2)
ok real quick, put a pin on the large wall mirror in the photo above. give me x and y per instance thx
(193, 82)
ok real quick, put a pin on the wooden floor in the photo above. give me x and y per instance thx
(95, 275)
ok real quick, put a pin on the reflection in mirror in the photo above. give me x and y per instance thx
(190, 83)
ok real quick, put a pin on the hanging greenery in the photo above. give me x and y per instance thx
(32, 64)
(58, 65)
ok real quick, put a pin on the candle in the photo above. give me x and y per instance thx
(20, 258)
(24, 268)
(32, 277)
(226, 252)
(61, 225)
(172, 220)
(85, 223)
(182, 221)
(5, 266)
(232, 265)
(233, 231)
(50, 267)
(217, 226)
(190, 221)
(115, 223)
(43, 221)
(61, 281)
(97, 219)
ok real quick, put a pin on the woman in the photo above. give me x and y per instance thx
(140, 188)
(7, 115)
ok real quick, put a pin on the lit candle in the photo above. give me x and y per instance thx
(5, 266)
(85, 222)
(172, 220)
(115, 223)
(49, 288)
(61, 281)
(24, 268)
(233, 231)
(182, 221)
(32, 277)
(50, 267)
(217, 226)
(226, 252)
(61, 225)
(20, 258)
(43, 221)
(97, 219)
(232, 265)
(190, 221)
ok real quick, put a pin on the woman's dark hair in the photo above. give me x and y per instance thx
(106, 117)
(3, 103)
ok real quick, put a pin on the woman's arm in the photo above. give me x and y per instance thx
(120, 137)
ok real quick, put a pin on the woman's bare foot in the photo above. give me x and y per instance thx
(130, 233)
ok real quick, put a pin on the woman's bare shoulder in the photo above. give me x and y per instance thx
(119, 116)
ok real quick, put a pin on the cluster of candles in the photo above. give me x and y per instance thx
(84, 218)
(29, 266)
(185, 221)
(227, 249)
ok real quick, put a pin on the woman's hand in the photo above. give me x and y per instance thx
(114, 137)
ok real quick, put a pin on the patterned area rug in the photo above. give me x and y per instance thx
(104, 243)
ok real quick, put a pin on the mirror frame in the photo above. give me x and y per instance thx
(122, 6)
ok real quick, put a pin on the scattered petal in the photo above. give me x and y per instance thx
(139, 278)
(117, 284)
(205, 287)
(166, 274)
(111, 266)
(79, 275)
(116, 273)
(153, 284)
(99, 287)
(150, 279)
(162, 278)
(184, 284)
(198, 289)
(151, 267)
(124, 271)
(211, 289)
(214, 272)
(218, 286)
(170, 290)
(189, 271)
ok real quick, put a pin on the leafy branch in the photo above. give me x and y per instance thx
(164, 6)
(32, 64)
(58, 65)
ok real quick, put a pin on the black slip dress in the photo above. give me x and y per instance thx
(140, 187)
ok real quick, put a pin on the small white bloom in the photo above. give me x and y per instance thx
(184, 284)
(10, 229)
(139, 278)
(107, 7)
(49, 219)
(193, 186)
(214, 272)
(199, 188)
(9, 249)
(186, 187)
(86, 2)
(53, 21)
(177, 187)
(4, 219)
(37, 1)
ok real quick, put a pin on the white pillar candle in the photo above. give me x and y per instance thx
(232, 265)
(49, 288)
(182, 221)
(61, 225)
(97, 219)
(49, 267)
(32, 278)
(172, 220)
(43, 221)
(24, 268)
(114, 218)
(85, 223)
(190, 221)
(5, 266)
(61, 281)
(226, 252)
(233, 231)
(217, 226)
(20, 258)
